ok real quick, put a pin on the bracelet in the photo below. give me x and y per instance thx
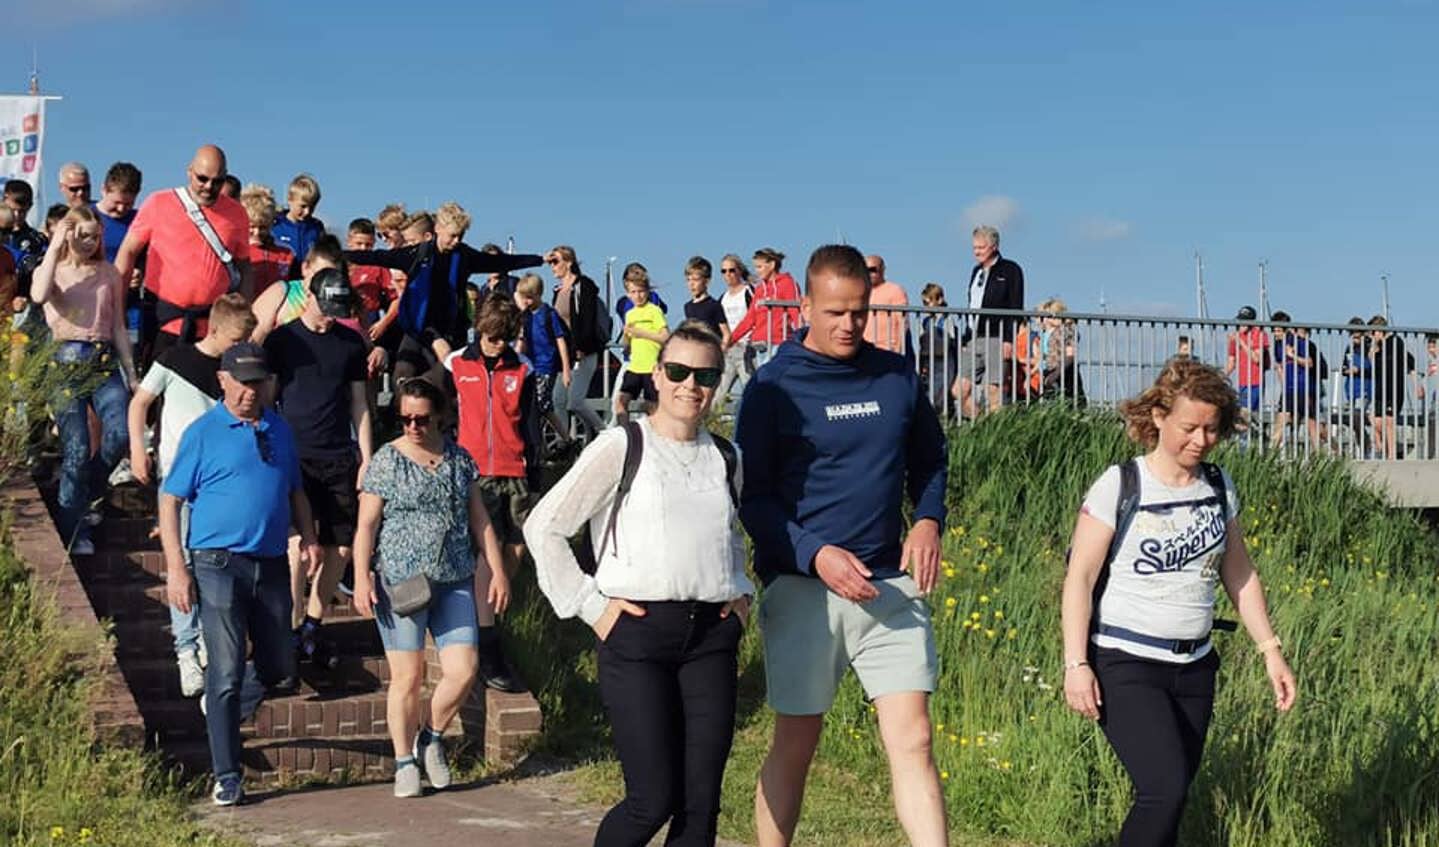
(1075, 663)
(1268, 644)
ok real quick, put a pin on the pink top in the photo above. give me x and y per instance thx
(81, 305)
(886, 329)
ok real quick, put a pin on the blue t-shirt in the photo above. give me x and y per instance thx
(543, 328)
(1358, 386)
(1298, 380)
(113, 231)
(239, 493)
(299, 237)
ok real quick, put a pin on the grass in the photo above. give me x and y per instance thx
(1352, 587)
(57, 786)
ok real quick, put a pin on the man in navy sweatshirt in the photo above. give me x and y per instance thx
(833, 431)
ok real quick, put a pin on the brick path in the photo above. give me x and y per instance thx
(529, 813)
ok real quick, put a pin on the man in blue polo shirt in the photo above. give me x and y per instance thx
(238, 469)
(834, 432)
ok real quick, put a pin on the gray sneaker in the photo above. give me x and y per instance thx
(192, 676)
(407, 780)
(432, 759)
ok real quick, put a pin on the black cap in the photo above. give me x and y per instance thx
(333, 292)
(1246, 313)
(246, 362)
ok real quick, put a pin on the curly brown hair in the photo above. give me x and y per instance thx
(1181, 377)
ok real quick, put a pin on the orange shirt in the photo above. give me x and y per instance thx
(886, 329)
(180, 267)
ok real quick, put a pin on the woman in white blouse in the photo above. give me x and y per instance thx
(669, 598)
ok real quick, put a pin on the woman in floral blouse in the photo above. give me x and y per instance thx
(421, 497)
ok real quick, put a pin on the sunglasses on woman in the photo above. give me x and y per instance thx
(704, 377)
(418, 421)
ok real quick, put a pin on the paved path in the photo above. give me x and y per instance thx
(529, 813)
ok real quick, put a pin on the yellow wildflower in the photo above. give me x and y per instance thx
(983, 598)
(998, 615)
(57, 832)
(950, 602)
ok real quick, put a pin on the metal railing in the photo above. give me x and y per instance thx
(1357, 392)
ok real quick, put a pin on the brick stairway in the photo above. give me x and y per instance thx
(334, 728)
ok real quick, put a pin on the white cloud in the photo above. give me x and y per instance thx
(1103, 229)
(996, 210)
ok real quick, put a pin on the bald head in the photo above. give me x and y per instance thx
(207, 173)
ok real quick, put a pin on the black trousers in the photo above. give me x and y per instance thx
(1155, 716)
(668, 681)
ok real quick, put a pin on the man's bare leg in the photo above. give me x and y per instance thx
(918, 801)
(780, 791)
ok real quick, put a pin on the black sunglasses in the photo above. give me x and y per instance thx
(262, 445)
(704, 377)
(873, 270)
(82, 188)
(209, 180)
(421, 421)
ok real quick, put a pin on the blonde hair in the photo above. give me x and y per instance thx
(932, 294)
(392, 217)
(232, 310)
(453, 216)
(424, 221)
(530, 285)
(1053, 306)
(1181, 377)
(259, 203)
(305, 188)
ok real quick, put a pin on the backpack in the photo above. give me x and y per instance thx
(634, 452)
(602, 326)
(1128, 506)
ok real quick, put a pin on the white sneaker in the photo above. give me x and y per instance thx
(192, 676)
(93, 519)
(432, 759)
(407, 780)
(82, 547)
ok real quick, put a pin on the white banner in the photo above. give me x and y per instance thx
(22, 137)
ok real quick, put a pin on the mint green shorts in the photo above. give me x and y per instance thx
(812, 635)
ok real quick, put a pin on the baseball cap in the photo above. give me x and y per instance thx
(333, 292)
(1246, 313)
(246, 362)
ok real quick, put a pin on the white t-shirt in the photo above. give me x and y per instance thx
(1163, 578)
(675, 537)
(185, 377)
(735, 303)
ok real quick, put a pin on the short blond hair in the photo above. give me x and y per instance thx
(1053, 306)
(424, 221)
(932, 294)
(233, 311)
(259, 203)
(392, 217)
(452, 216)
(530, 285)
(636, 274)
(305, 188)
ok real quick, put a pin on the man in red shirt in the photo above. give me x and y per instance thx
(1249, 356)
(182, 270)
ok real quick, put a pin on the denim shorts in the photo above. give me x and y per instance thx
(450, 618)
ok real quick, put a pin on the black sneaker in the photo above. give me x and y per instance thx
(495, 671)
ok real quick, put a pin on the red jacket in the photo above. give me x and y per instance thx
(497, 426)
(766, 324)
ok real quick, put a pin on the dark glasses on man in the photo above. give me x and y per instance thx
(872, 269)
(421, 421)
(209, 180)
(82, 188)
(704, 377)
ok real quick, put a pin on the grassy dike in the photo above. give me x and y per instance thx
(55, 787)
(1353, 588)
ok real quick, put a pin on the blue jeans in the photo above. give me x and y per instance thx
(240, 596)
(185, 626)
(79, 474)
(450, 618)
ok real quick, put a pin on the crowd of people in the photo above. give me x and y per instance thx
(240, 353)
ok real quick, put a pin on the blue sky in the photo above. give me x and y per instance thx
(1108, 141)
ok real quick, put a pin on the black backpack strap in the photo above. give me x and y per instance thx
(1215, 477)
(634, 451)
(731, 464)
(1126, 507)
